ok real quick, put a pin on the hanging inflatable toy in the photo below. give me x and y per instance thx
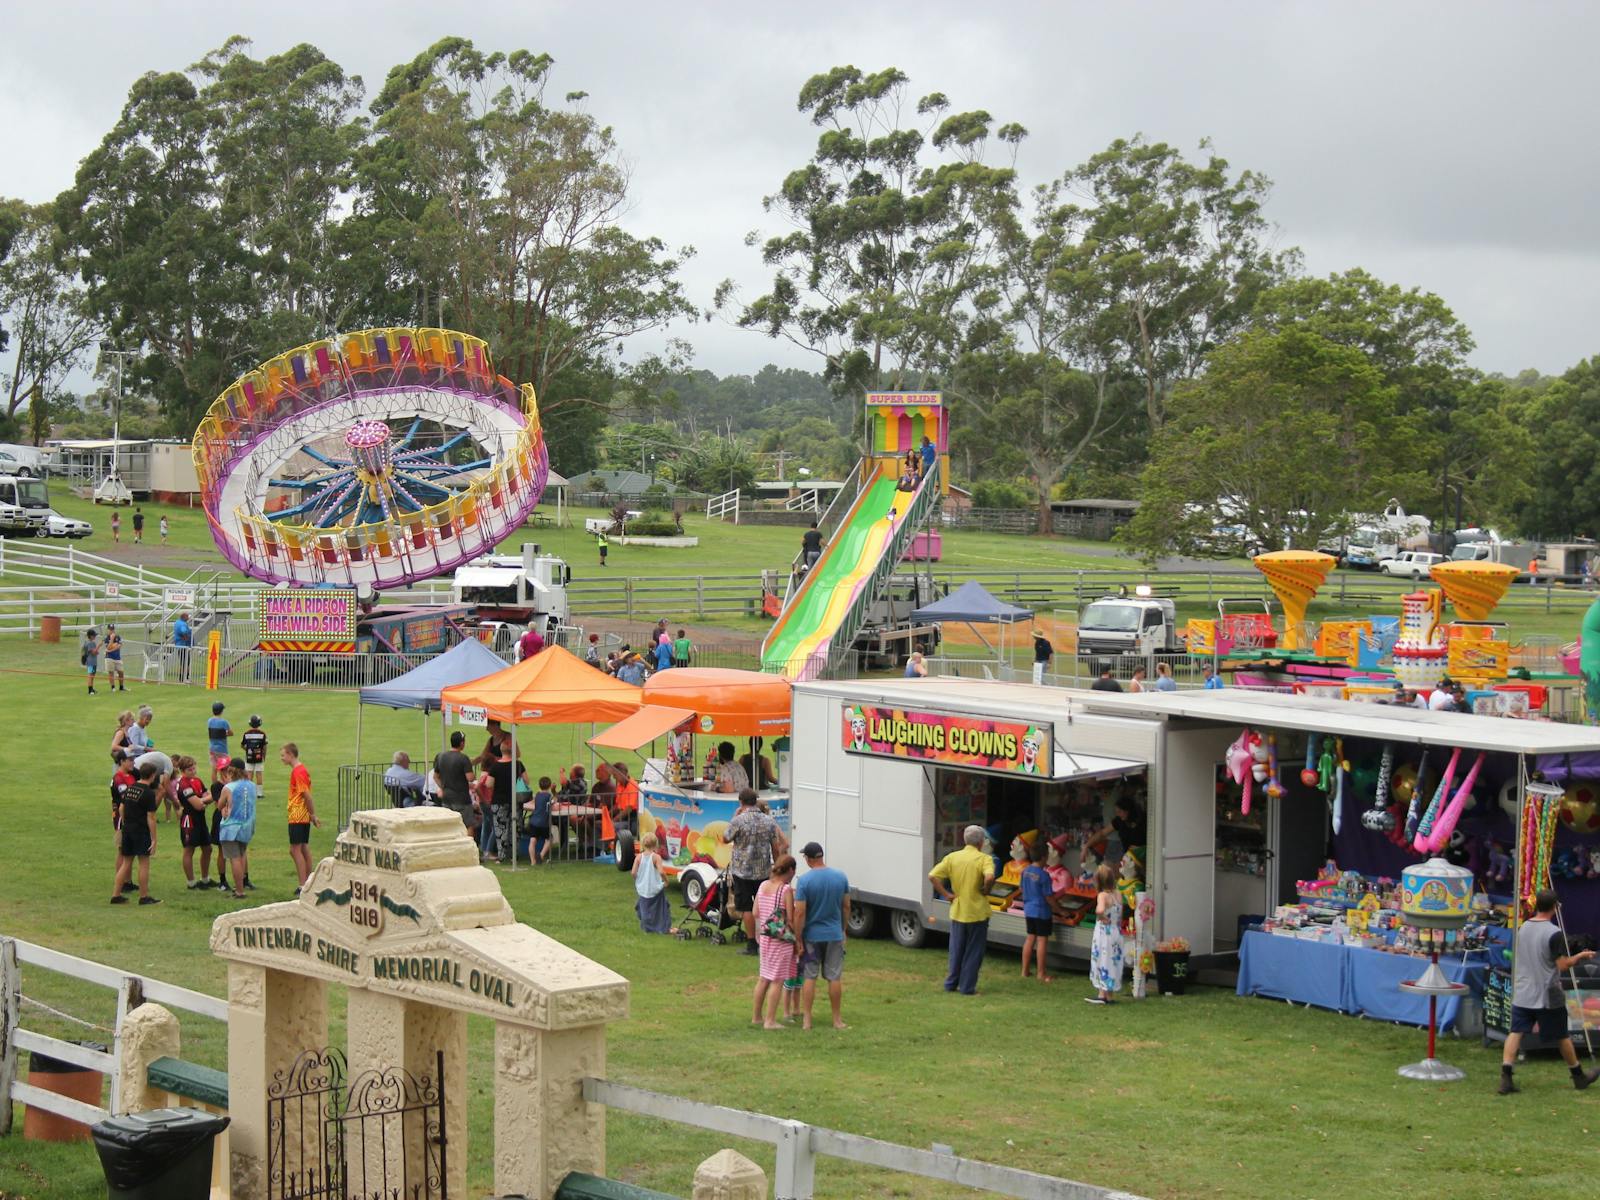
(1341, 771)
(1274, 783)
(1239, 764)
(1309, 775)
(1404, 832)
(1446, 824)
(1436, 805)
(1378, 818)
(1325, 768)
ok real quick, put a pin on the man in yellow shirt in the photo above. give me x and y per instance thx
(962, 877)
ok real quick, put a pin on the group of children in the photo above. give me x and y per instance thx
(1040, 908)
(148, 782)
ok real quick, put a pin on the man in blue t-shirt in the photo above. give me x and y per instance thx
(218, 731)
(183, 639)
(930, 454)
(822, 907)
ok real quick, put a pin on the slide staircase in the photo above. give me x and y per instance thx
(822, 615)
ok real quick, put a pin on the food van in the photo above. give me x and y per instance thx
(888, 773)
(687, 712)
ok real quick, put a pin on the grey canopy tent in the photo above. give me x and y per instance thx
(420, 687)
(972, 605)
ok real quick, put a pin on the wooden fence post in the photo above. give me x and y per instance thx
(10, 1002)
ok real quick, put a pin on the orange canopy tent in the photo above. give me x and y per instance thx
(554, 687)
(728, 703)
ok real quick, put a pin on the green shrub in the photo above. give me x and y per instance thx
(999, 493)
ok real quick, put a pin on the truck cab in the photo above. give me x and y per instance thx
(24, 506)
(515, 587)
(1136, 625)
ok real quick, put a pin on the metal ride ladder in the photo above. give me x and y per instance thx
(918, 514)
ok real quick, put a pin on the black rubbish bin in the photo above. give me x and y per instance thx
(1172, 971)
(164, 1154)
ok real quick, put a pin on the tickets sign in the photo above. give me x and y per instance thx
(309, 619)
(954, 739)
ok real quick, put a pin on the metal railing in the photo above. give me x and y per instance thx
(799, 1145)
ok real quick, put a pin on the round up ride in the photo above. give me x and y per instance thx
(372, 459)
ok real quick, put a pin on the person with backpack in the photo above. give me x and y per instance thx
(774, 913)
(89, 656)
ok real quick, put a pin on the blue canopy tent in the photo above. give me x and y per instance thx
(972, 605)
(420, 687)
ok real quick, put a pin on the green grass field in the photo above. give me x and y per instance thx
(1207, 1094)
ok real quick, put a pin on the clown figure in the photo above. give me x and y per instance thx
(1020, 845)
(1130, 881)
(1030, 750)
(858, 729)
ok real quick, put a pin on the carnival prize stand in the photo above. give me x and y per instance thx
(687, 712)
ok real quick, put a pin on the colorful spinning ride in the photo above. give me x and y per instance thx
(379, 457)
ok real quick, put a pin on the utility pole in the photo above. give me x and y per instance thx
(109, 351)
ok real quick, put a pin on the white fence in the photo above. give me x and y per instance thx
(132, 990)
(720, 508)
(799, 1145)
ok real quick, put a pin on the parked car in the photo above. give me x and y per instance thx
(1413, 563)
(57, 526)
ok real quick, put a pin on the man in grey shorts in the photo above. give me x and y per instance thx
(822, 908)
(1536, 996)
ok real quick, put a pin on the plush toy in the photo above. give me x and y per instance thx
(1499, 871)
(1594, 864)
(1456, 851)
(1564, 865)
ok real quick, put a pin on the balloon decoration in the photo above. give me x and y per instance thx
(1403, 782)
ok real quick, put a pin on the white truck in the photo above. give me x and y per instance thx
(1139, 625)
(1384, 535)
(24, 506)
(1485, 545)
(516, 587)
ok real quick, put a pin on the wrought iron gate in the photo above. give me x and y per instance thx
(380, 1138)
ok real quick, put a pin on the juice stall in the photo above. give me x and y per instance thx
(688, 792)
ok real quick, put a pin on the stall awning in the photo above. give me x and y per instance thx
(645, 726)
(729, 703)
(1073, 767)
(554, 687)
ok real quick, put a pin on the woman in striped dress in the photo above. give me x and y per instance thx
(774, 907)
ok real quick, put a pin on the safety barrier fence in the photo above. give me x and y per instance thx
(799, 1145)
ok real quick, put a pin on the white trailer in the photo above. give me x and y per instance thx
(886, 819)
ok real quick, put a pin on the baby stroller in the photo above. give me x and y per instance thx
(708, 905)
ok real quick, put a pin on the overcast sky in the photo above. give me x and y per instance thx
(1449, 146)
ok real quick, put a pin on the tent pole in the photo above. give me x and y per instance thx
(513, 795)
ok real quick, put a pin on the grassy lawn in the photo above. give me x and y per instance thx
(1206, 1094)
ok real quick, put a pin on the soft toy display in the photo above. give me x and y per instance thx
(1130, 882)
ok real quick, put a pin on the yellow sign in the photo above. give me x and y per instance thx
(213, 659)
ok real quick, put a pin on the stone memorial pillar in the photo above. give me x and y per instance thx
(404, 917)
